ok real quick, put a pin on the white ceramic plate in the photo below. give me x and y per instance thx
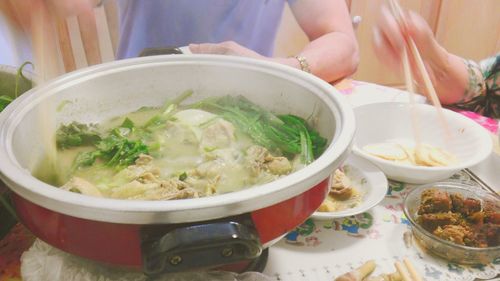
(368, 179)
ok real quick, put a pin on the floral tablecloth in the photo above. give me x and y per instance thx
(322, 250)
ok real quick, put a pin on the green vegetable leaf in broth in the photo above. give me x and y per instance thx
(183, 176)
(168, 110)
(76, 134)
(288, 134)
(114, 150)
(86, 159)
(127, 123)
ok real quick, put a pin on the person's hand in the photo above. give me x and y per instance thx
(390, 38)
(25, 10)
(230, 48)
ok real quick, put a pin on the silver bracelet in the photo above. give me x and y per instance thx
(304, 65)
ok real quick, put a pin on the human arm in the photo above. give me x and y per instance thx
(333, 51)
(454, 80)
(21, 12)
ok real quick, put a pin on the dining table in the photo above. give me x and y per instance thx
(324, 249)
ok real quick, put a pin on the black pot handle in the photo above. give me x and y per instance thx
(160, 51)
(200, 246)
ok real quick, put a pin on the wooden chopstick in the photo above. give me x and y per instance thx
(402, 271)
(46, 67)
(414, 274)
(411, 90)
(407, 272)
(398, 14)
(428, 85)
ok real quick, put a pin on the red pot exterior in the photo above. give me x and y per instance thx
(102, 241)
(120, 244)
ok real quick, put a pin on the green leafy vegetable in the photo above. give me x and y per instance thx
(289, 134)
(86, 158)
(4, 101)
(183, 176)
(127, 123)
(115, 151)
(76, 134)
(169, 109)
(20, 75)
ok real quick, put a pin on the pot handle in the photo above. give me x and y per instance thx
(161, 51)
(200, 246)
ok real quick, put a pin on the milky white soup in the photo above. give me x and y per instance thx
(174, 153)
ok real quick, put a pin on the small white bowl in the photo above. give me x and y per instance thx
(381, 122)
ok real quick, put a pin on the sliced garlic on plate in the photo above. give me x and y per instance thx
(388, 151)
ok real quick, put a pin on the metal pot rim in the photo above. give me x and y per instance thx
(186, 210)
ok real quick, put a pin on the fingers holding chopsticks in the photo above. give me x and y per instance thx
(390, 38)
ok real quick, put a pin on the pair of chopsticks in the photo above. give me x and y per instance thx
(408, 274)
(411, 47)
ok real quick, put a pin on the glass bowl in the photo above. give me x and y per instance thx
(443, 248)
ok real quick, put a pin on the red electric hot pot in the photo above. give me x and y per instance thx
(176, 235)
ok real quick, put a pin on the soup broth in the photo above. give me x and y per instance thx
(174, 152)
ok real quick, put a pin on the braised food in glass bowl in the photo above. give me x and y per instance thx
(455, 221)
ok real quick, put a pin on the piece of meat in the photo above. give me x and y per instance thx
(134, 172)
(453, 233)
(434, 201)
(220, 134)
(79, 185)
(132, 189)
(492, 217)
(255, 157)
(143, 160)
(457, 202)
(341, 186)
(471, 205)
(209, 169)
(171, 189)
(341, 193)
(278, 166)
(160, 190)
(476, 218)
(487, 235)
(431, 221)
(259, 159)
